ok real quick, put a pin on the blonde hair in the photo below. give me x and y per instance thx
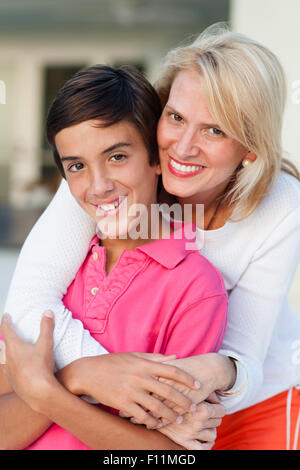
(245, 90)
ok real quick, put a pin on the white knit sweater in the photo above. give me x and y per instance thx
(257, 257)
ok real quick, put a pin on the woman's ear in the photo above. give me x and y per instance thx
(251, 156)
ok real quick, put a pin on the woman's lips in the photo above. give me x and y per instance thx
(184, 170)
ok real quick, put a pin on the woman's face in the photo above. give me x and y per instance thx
(108, 172)
(197, 158)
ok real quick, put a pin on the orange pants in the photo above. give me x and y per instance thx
(270, 425)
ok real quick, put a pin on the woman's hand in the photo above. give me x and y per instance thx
(128, 382)
(29, 367)
(198, 430)
(213, 371)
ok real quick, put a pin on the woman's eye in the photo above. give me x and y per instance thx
(214, 131)
(176, 117)
(76, 167)
(118, 158)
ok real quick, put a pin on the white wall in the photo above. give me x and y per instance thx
(276, 23)
(7, 72)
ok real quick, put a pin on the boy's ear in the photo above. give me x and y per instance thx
(158, 169)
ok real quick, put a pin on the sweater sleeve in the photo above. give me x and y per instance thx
(255, 304)
(48, 262)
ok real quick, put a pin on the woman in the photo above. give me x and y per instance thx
(219, 140)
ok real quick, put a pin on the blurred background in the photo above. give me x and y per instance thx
(44, 42)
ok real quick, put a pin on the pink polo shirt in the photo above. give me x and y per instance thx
(159, 298)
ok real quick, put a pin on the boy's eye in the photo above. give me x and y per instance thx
(75, 167)
(118, 158)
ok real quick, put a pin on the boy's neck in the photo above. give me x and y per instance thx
(157, 227)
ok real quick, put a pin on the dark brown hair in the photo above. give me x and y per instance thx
(109, 95)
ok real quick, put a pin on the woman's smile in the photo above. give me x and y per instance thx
(184, 170)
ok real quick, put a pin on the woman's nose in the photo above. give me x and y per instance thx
(185, 146)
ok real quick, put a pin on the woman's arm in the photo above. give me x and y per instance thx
(133, 376)
(198, 429)
(49, 260)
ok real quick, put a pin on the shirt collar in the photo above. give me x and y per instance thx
(168, 252)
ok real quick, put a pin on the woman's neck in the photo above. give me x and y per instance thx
(216, 210)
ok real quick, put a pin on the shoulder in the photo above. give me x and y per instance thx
(201, 275)
(282, 201)
(284, 197)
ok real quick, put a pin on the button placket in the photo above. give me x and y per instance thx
(94, 278)
(111, 288)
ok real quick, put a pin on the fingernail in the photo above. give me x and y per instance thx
(197, 384)
(193, 407)
(6, 317)
(49, 314)
(179, 420)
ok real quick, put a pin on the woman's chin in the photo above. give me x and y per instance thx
(178, 189)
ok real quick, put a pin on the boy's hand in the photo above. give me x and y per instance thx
(29, 367)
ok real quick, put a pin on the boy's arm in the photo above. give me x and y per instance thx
(93, 426)
(19, 424)
(47, 400)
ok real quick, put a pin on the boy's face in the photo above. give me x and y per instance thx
(108, 171)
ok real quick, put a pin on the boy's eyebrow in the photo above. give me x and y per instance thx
(116, 146)
(107, 150)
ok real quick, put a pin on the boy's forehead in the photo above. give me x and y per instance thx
(87, 135)
(99, 127)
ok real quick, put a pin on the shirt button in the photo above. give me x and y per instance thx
(94, 290)
(95, 255)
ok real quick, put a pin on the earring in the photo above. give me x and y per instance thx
(246, 162)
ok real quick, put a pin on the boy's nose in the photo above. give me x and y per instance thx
(101, 185)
